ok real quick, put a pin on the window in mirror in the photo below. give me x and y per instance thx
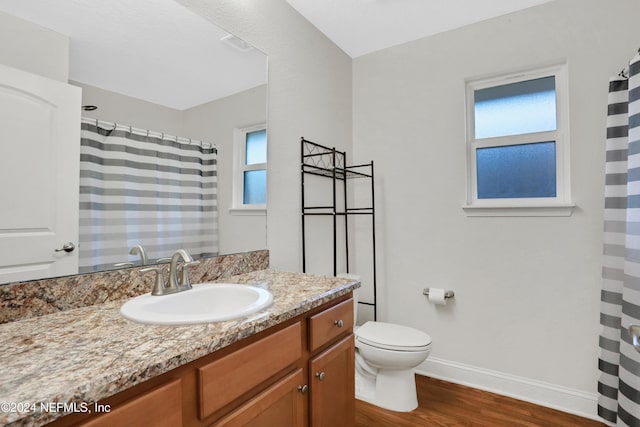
(250, 175)
(256, 147)
(255, 187)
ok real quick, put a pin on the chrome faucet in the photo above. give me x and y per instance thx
(182, 283)
(139, 250)
(175, 284)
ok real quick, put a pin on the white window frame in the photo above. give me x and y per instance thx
(560, 205)
(240, 167)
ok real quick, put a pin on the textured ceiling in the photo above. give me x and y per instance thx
(362, 26)
(155, 50)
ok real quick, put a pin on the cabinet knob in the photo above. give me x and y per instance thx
(320, 375)
(338, 323)
(303, 388)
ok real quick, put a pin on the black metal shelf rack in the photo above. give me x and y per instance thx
(327, 162)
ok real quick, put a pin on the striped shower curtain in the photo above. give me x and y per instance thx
(619, 363)
(146, 188)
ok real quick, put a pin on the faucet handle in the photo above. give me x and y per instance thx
(158, 286)
(124, 264)
(187, 264)
(185, 282)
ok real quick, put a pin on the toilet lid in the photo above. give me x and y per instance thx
(392, 336)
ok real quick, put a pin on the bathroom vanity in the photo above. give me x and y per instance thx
(289, 365)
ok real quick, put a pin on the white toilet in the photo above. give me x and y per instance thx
(386, 354)
(385, 357)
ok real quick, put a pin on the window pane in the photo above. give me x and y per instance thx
(516, 108)
(255, 187)
(256, 147)
(517, 171)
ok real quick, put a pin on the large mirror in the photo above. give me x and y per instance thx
(155, 70)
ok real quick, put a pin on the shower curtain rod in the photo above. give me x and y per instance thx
(145, 132)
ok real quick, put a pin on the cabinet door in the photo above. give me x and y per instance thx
(280, 405)
(333, 386)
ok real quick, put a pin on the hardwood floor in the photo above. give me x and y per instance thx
(448, 405)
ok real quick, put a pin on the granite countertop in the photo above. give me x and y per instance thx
(87, 354)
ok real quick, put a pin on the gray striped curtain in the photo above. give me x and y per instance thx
(142, 187)
(619, 363)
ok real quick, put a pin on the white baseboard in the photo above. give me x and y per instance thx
(564, 399)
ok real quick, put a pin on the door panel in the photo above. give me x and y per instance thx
(332, 375)
(281, 405)
(39, 172)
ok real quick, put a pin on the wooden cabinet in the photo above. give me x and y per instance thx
(331, 371)
(332, 386)
(325, 326)
(298, 373)
(226, 379)
(280, 405)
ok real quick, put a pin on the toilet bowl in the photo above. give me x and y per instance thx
(386, 354)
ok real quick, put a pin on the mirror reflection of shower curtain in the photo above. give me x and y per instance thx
(141, 187)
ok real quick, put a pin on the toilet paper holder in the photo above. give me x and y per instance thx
(447, 294)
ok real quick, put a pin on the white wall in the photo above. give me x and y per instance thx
(309, 95)
(32, 48)
(527, 289)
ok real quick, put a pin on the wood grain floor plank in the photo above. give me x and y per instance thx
(444, 404)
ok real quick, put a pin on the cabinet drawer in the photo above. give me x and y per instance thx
(325, 326)
(230, 377)
(160, 407)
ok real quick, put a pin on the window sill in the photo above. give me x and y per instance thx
(559, 209)
(254, 211)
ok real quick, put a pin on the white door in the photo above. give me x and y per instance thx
(39, 175)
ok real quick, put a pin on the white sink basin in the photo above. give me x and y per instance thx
(207, 302)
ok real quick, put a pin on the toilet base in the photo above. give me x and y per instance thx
(391, 389)
(365, 387)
